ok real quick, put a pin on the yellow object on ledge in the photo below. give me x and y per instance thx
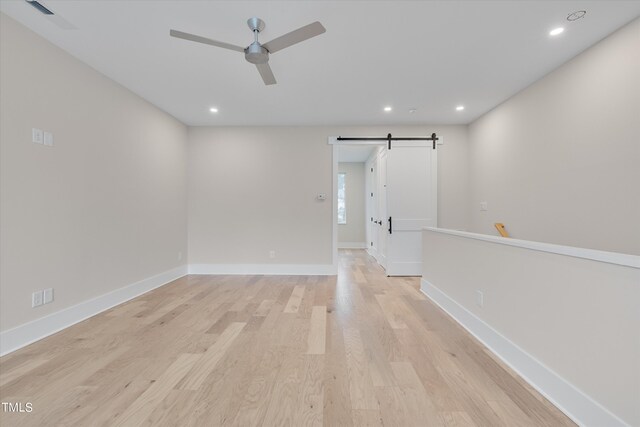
(501, 229)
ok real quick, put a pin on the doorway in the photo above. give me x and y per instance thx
(353, 200)
(400, 199)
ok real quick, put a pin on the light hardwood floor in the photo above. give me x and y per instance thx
(359, 349)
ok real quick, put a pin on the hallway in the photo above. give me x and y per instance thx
(359, 349)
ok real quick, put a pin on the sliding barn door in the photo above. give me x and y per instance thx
(411, 202)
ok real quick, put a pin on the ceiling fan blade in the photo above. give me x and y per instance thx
(295, 36)
(266, 73)
(199, 39)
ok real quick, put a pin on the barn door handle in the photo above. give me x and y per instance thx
(390, 226)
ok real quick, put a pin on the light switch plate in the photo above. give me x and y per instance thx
(36, 298)
(37, 136)
(48, 139)
(48, 295)
(483, 206)
(480, 299)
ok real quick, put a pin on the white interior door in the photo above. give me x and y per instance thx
(382, 209)
(372, 213)
(411, 203)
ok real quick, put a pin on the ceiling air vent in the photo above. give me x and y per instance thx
(52, 17)
(40, 7)
(576, 15)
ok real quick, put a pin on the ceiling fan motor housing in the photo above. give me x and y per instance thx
(256, 54)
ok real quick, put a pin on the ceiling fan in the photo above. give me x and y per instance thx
(258, 53)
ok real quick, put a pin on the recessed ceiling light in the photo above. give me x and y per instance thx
(460, 108)
(387, 109)
(556, 31)
(412, 110)
(213, 109)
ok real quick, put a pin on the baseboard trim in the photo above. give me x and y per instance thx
(23, 335)
(352, 245)
(577, 405)
(265, 269)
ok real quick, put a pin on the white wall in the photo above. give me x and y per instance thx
(253, 190)
(102, 209)
(558, 162)
(578, 317)
(354, 230)
(453, 179)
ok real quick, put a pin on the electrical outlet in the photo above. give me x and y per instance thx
(48, 296)
(484, 206)
(272, 254)
(479, 299)
(180, 256)
(36, 298)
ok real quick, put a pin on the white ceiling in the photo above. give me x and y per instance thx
(429, 55)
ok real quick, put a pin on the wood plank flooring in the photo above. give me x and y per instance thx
(358, 349)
